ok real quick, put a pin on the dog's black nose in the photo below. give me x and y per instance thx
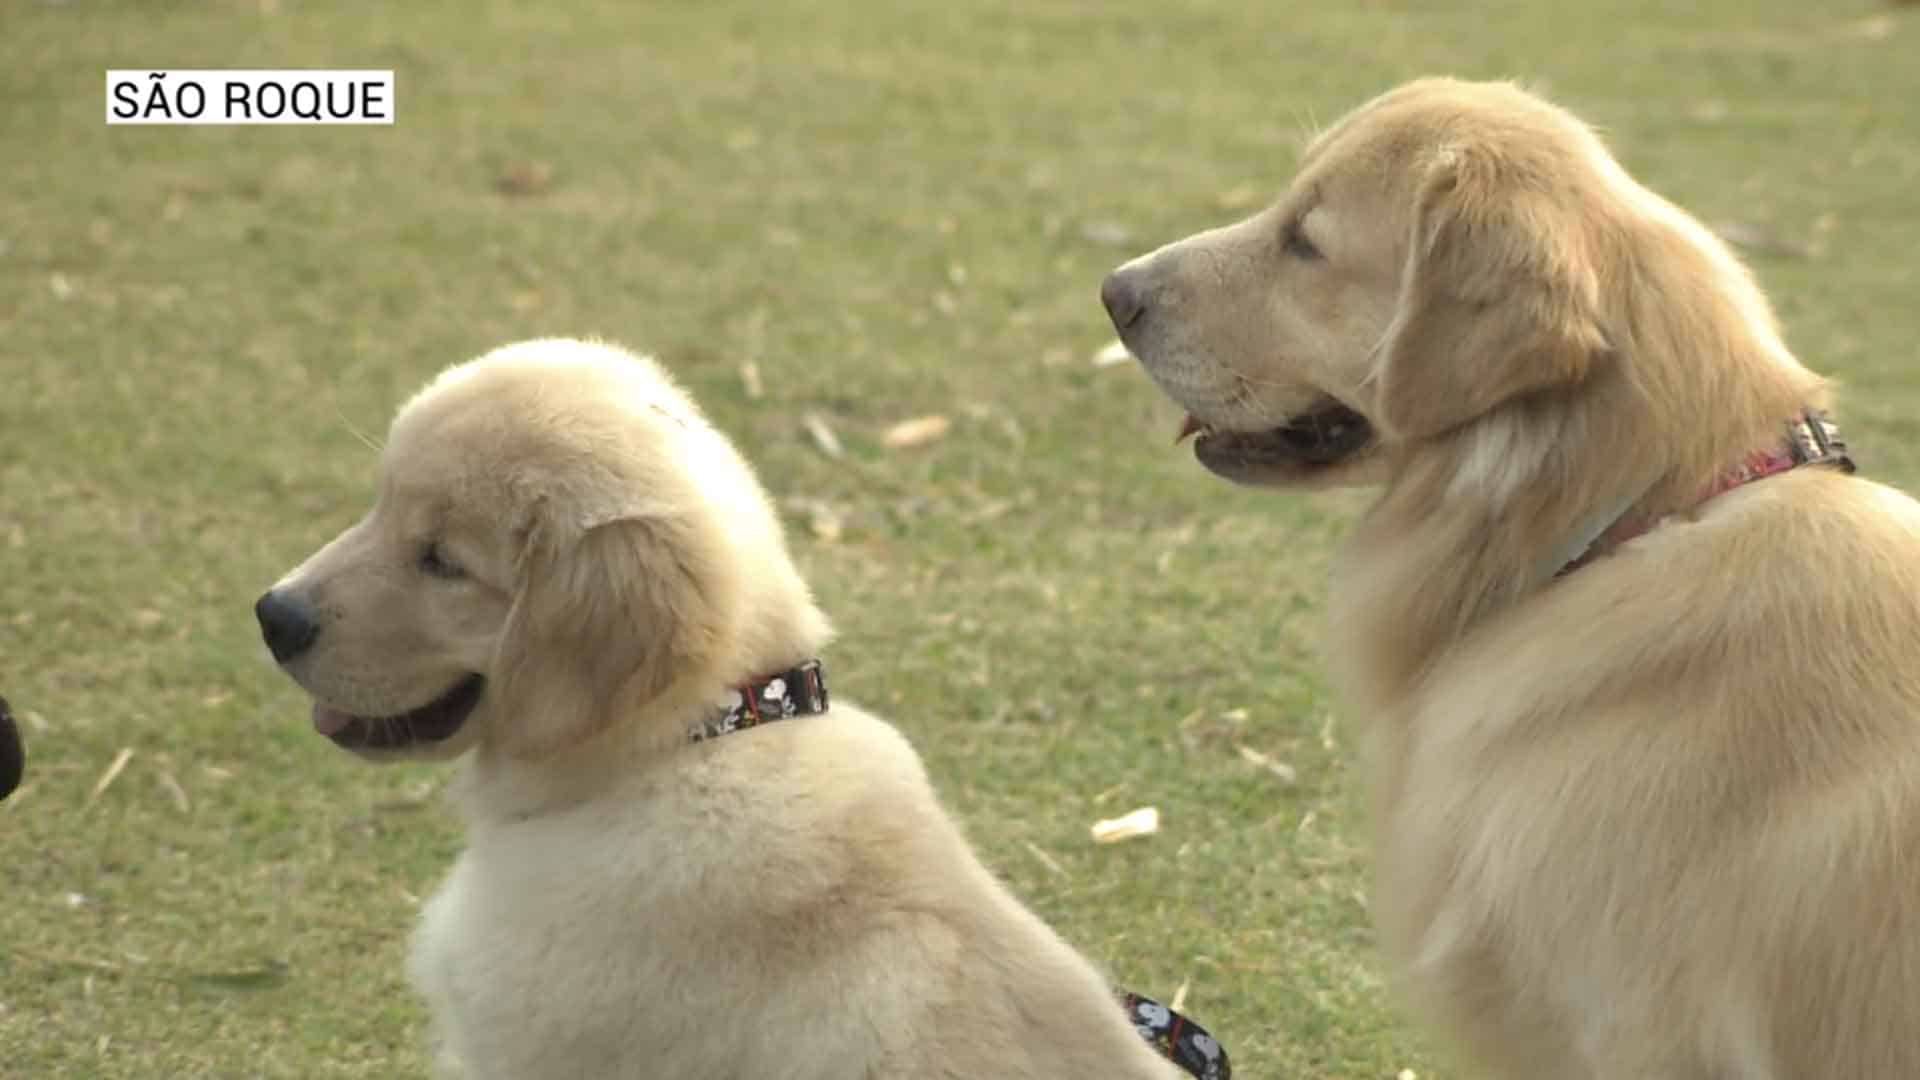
(1124, 297)
(287, 623)
(13, 755)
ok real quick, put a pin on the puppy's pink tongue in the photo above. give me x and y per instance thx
(1187, 427)
(329, 721)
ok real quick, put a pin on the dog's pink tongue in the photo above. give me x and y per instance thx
(329, 721)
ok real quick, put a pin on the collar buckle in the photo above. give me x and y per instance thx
(1814, 439)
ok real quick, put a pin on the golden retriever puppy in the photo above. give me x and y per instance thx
(573, 581)
(1639, 660)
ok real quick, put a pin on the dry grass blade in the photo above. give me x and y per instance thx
(177, 793)
(918, 431)
(113, 773)
(1112, 354)
(822, 435)
(824, 520)
(1046, 860)
(1278, 768)
(825, 524)
(1142, 822)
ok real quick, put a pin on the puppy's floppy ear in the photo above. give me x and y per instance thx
(1499, 297)
(609, 613)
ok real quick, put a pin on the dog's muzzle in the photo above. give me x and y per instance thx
(436, 721)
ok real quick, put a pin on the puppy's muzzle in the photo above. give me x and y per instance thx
(1125, 295)
(287, 623)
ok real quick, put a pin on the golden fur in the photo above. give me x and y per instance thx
(1656, 818)
(785, 902)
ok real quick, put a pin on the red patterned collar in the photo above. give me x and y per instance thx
(1811, 439)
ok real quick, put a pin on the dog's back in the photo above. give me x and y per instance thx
(1670, 811)
(785, 902)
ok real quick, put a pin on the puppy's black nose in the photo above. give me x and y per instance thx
(1124, 297)
(287, 623)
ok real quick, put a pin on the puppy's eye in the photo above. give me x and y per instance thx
(434, 563)
(1297, 245)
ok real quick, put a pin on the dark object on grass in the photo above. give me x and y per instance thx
(13, 756)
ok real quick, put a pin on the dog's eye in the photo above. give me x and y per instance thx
(1297, 245)
(434, 562)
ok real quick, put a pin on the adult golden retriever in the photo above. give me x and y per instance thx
(1644, 698)
(567, 577)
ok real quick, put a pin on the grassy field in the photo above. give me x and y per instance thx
(889, 210)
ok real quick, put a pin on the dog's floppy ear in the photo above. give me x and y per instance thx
(609, 613)
(1499, 297)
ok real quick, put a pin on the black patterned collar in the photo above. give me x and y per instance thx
(798, 691)
(1177, 1038)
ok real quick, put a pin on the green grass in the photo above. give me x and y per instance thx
(892, 209)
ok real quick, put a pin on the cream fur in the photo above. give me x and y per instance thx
(785, 903)
(1658, 818)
